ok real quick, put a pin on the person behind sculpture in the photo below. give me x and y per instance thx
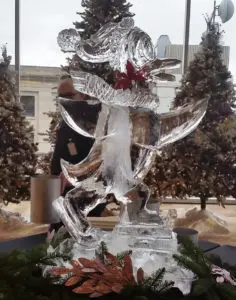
(70, 145)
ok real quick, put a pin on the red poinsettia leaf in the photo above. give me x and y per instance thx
(140, 275)
(117, 288)
(95, 295)
(73, 280)
(113, 260)
(128, 268)
(139, 76)
(87, 287)
(124, 83)
(87, 263)
(133, 74)
(130, 70)
(121, 75)
(103, 288)
(88, 270)
(60, 271)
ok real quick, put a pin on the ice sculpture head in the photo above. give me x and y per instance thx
(115, 43)
(121, 118)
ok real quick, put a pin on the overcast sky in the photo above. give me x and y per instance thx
(42, 20)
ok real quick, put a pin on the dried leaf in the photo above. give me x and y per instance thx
(78, 272)
(112, 269)
(140, 275)
(88, 263)
(60, 271)
(88, 270)
(128, 269)
(117, 288)
(95, 276)
(95, 295)
(87, 287)
(100, 266)
(83, 290)
(103, 279)
(73, 280)
(114, 278)
(103, 288)
(75, 263)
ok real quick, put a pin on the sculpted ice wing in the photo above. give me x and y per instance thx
(96, 87)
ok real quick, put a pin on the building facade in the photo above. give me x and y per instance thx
(164, 48)
(38, 90)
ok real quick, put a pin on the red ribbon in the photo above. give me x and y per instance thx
(125, 80)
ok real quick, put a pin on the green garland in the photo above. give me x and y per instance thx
(20, 278)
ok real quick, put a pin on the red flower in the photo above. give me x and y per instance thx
(125, 80)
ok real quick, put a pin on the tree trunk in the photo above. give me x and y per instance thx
(203, 202)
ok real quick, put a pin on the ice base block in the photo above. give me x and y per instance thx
(152, 237)
(152, 246)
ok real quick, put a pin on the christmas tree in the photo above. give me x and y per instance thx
(17, 150)
(96, 14)
(44, 159)
(99, 12)
(203, 163)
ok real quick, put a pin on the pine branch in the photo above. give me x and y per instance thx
(156, 282)
(192, 251)
(191, 265)
(101, 251)
(193, 258)
(121, 255)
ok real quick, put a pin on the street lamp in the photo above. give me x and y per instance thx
(186, 36)
(17, 47)
(225, 11)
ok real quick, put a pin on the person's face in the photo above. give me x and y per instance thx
(79, 97)
(67, 90)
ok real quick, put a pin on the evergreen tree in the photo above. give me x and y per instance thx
(44, 159)
(203, 163)
(99, 12)
(17, 150)
(96, 14)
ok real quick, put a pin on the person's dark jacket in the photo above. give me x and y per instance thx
(83, 145)
(66, 135)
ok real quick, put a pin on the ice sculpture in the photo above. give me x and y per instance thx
(121, 119)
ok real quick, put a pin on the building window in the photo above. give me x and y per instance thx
(28, 103)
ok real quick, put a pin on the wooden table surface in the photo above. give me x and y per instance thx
(228, 215)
